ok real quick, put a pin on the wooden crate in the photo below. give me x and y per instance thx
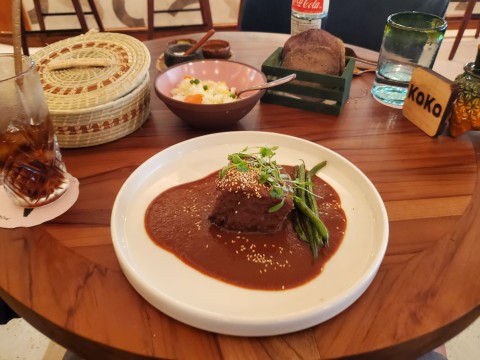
(310, 91)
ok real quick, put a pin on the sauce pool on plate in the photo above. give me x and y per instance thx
(177, 221)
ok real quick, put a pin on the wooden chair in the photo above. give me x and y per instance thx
(463, 25)
(204, 9)
(265, 16)
(78, 12)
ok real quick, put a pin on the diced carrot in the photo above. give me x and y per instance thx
(194, 99)
(187, 77)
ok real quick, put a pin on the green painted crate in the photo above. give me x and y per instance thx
(309, 91)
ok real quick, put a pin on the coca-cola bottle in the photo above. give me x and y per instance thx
(308, 14)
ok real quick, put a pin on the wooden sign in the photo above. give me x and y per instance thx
(429, 100)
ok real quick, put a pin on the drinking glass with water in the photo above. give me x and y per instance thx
(410, 39)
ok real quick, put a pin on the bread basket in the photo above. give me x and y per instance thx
(310, 91)
(96, 86)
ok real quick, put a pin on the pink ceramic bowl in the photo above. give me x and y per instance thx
(211, 116)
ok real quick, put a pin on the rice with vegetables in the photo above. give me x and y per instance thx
(203, 91)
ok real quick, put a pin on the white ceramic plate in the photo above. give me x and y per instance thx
(191, 297)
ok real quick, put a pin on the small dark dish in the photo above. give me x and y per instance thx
(174, 54)
(216, 49)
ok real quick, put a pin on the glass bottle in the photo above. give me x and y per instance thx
(308, 14)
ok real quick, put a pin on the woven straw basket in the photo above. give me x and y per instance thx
(96, 86)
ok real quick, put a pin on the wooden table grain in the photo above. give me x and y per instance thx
(63, 276)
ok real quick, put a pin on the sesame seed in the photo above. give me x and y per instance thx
(241, 181)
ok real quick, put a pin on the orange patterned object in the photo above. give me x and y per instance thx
(466, 112)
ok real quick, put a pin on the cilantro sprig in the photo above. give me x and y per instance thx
(269, 172)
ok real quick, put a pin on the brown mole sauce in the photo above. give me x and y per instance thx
(177, 220)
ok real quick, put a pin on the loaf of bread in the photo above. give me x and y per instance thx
(314, 50)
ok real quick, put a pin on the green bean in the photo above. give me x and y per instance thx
(307, 223)
(311, 200)
(308, 231)
(310, 196)
(312, 204)
(317, 223)
(301, 224)
(314, 207)
(314, 248)
(299, 228)
(301, 181)
(316, 168)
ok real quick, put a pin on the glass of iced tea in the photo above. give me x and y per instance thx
(31, 167)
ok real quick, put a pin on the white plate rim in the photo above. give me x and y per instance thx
(240, 319)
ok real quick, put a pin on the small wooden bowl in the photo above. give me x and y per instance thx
(216, 49)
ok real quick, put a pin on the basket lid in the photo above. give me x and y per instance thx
(91, 69)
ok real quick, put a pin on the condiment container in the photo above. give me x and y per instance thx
(175, 54)
(216, 49)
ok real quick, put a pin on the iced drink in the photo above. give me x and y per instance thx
(32, 170)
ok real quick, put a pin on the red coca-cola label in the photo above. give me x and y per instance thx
(308, 6)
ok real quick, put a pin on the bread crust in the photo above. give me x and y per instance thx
(318, 59)
(314, 50)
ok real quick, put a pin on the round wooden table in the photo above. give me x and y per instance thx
(63, 276)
